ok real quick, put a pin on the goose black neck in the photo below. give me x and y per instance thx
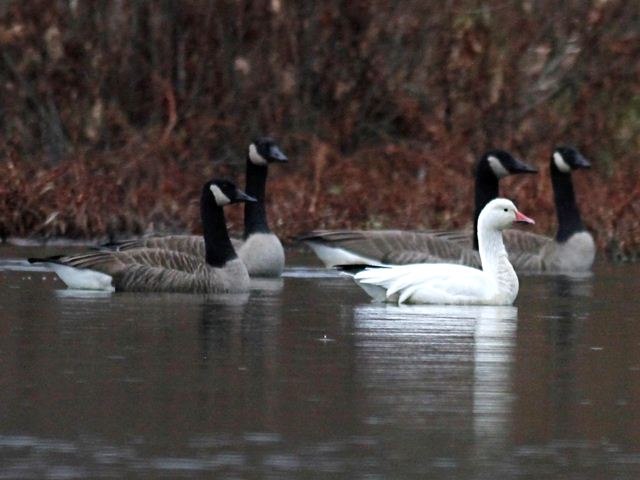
(486, 190)
(218, 247)
(569, 220)
(255, 214)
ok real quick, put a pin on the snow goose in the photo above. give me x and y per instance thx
(259, 249)
(147, 269)
(453, 284)
(399, 247)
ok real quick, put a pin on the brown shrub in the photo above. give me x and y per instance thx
(113, 113)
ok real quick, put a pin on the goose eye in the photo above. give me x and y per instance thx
(505, 209)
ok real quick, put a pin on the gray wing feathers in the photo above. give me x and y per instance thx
(102, 261)
(526, 250)
(527, 261)
(205, 279)
(397, 247)
(190, 244)
(112, 262)
(519, 241)
(514, 240)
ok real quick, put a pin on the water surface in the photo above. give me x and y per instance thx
(305, 378)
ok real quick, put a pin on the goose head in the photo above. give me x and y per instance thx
(502, 164)
(500, 214)
(225, 192)
(567, 158)
(264, 150)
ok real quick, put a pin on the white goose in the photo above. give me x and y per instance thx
(445, 283)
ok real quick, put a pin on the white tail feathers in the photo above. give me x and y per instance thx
(82, 279)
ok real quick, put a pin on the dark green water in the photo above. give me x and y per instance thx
(304, 378)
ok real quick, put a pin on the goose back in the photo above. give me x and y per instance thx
(387, 247)
(188, 244)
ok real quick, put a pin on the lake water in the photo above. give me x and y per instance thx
(304, 378)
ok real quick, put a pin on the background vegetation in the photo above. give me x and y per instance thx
(113, 113)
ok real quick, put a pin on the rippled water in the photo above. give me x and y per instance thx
(305, 378)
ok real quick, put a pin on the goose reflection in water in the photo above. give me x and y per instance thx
(448, 366)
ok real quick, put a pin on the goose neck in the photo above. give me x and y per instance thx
(569, 219)
(255, 214)
(218, 247)
(492, 250)
(486, 189)
(502, 278)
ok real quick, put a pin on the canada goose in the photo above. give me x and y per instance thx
(399, 247)
(448, 283)
(259, 249)
(161, 270)
(573, 248)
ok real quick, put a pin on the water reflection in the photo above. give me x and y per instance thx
(575, 358)
(196, 386)
(495, 335)
(72, 293)
(572, 286)
(546, 358)
(446, 369)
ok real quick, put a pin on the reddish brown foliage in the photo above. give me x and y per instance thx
(113, 113)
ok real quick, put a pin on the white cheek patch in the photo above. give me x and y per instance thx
(255, 157)
(560, 163)
(221, 198)
(497, 167)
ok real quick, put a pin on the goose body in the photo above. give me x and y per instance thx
(400, 247)
(259, 248)
(145, 269)
(576, 254)
(446, 283)
(262, 253)
(149, 270)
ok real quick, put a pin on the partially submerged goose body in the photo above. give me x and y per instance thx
(445, 283)
(145, 269)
